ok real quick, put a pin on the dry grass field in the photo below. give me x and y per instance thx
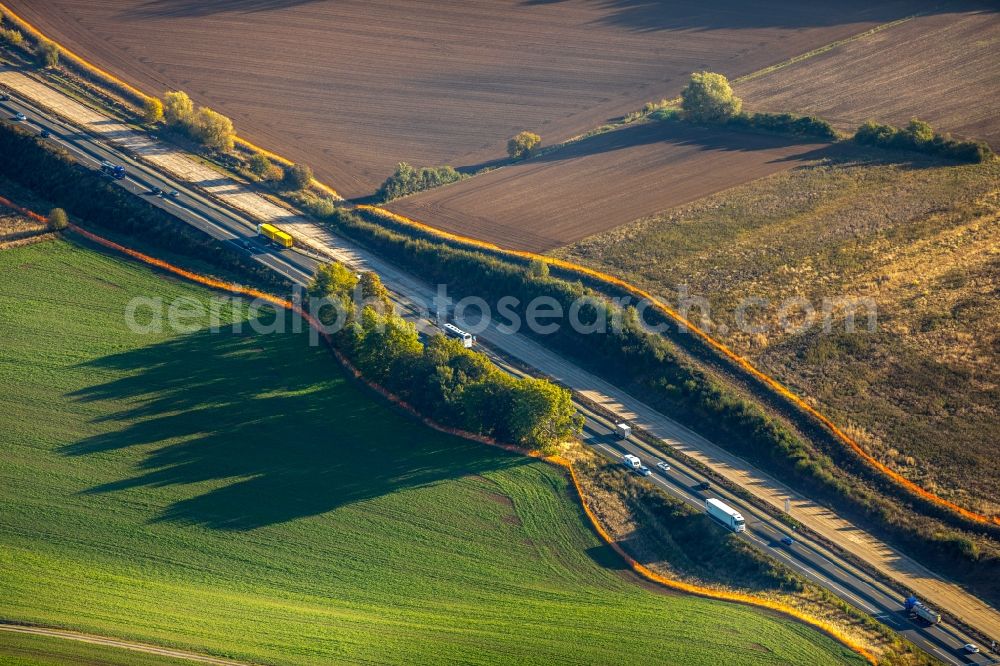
(600, 183)
(353, 87)
(943, 68)
(920, 239)
(15, 227)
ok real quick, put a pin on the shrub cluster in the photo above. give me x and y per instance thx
(407, 180)
(12, 36)
(920, 136)
(443, 379)
(649, 365)
(48, 54)
(93, 199)
(262, 167)
(298, 177)
(213, 130)
(785, 123)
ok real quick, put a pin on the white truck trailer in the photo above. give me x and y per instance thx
(632, 462)
(623, 430)
(725, 514)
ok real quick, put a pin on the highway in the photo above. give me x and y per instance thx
(807, 556)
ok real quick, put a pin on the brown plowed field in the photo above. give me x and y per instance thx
(943, 68)
(600, 183)
(354, 86)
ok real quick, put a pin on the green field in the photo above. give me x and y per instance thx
(233, 493)
(28, 650)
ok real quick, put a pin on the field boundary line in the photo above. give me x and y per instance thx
(874, 30)
(717, 345)
(558, 461)
(94, 639)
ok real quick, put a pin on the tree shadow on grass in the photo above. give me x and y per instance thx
(264, 430)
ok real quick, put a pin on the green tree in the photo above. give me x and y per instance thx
(212, 129)
(450, 369)
(485, 406)
(48, 53)
(298, 177)
(58, 220)
(542, 413)
(177, 108)
(523, 145)
(388, 348)
(920, 131)
(259, 164)
(152, 110)
(708, 97)
(373, 291)
(332, 279)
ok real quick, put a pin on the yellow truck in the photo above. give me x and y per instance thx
(275, 234)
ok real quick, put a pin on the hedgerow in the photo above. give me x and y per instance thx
(919, 136)
(441, 378)
(407, 180)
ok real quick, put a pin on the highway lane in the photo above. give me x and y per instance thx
(764, 532)
(190, 206)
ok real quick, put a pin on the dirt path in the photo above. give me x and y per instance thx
(114, 642)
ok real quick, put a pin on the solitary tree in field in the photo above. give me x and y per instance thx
(298, 176)
(57, 219)
(152, 111)
(523, 145)
(709, 98)
(212, 129)
(177, 108)
(48, 54)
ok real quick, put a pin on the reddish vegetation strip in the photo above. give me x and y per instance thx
(709, 593)
(600, 183)
(943, 68)
(744, 363)
(354, 86)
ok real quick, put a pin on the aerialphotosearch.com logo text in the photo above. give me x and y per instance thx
(542, 315)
